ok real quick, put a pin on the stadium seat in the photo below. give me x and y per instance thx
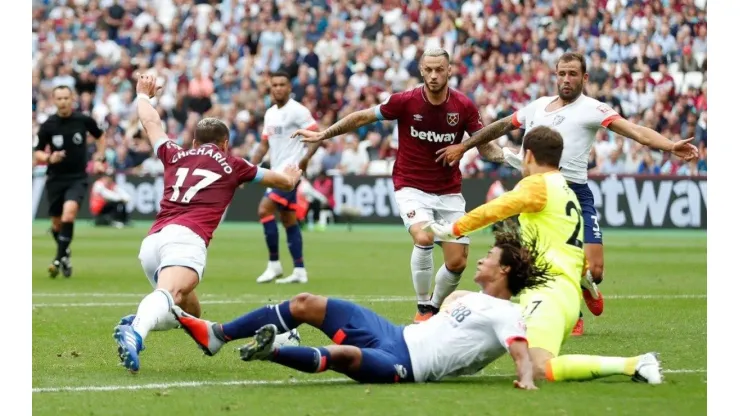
(692, 79)
(377, 168)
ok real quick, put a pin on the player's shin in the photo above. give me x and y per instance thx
(422, 266)
(588, 367)
(271, 236)
(305, 359)
(64, 239)
(445, 283)
(154, 313)
(295, 244)
(246, 325)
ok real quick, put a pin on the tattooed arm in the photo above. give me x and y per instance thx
(489, 133)
(350, 123)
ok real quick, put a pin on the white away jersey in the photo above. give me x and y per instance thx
(466, 336)
(280, 123)
(577, 122)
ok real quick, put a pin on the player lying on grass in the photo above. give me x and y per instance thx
(546, 204)
(471, 330)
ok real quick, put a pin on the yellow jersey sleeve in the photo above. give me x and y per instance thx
(529, 196)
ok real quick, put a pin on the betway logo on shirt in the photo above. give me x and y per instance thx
(432, 136)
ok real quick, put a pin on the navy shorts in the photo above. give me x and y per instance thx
(591, 230)
(385, 356)
(285, 201)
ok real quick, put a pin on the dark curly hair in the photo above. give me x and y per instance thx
(523, 256)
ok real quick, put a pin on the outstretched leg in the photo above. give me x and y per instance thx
(365, 365)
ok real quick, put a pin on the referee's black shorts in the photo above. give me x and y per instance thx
(59, 191)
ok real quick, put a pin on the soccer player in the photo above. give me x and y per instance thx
(430, 117)
(199, 184)
(473, 329)
(283, 118)
(577, 117)
(549, 207)
(64, 134)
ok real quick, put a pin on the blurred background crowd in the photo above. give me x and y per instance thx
(646, 58)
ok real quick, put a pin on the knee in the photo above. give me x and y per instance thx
(301, 304)
(56, 223)
(456, 263)
(264, 212)
(422, 238)
(288, 219)
(69, 211)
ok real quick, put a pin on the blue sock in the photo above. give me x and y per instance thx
(246, 325)
(295, 244)
(271, 236)
(305, 359)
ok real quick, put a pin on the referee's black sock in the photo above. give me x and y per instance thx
(55, 234)
(64, 239)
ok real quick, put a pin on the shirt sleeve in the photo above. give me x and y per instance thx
(510, 327)
(164, 148)
(523, 114)
(92, 127)
(393, 107)
(248, 172)
(530, 195)
(473, 122)
(602, 115)
(305, 120)
(43, 138)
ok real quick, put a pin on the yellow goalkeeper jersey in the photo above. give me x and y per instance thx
(548, 208)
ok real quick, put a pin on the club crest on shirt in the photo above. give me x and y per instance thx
(453, 118)
(410, 214)
(603, 108)
(557, 120)
(57, 140)
(77, 138)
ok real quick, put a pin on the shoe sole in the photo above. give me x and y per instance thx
(263, 337)
(128, 360)
(292, 282)
(271, 280)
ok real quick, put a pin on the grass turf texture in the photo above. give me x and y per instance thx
(656, 301)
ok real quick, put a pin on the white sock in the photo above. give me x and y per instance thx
(154, 312)
(444, 283)
(422, 265)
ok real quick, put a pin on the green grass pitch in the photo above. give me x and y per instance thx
(656, 301)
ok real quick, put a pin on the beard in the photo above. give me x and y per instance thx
(437, 88)
(572, 94)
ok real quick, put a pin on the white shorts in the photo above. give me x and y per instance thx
(173, 245)
(418, 206)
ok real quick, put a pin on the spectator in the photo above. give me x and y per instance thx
(354, 160)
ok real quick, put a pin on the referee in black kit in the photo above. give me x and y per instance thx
(61, 143)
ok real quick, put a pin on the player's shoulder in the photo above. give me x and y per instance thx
(50, 121)
(531, 181)
(544, 101)
(414, 93)
(460, 97)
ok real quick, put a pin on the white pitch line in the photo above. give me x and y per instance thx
(263, 298)
(185, 384)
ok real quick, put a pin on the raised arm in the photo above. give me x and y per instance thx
(350, 123)
(146, 88)
(651, 138)
(482, 139)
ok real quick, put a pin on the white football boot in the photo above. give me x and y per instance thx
(299, 275)
(273, 271)
(648, 369)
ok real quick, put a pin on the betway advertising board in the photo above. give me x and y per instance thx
(622, 202)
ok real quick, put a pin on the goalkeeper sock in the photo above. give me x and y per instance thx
(588, 367)
(422, 264)
(154, 313)
(305, 359)
(445, 283)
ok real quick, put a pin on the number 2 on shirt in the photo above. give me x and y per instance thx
(182, 174)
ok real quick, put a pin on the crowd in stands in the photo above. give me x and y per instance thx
(646, 58)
